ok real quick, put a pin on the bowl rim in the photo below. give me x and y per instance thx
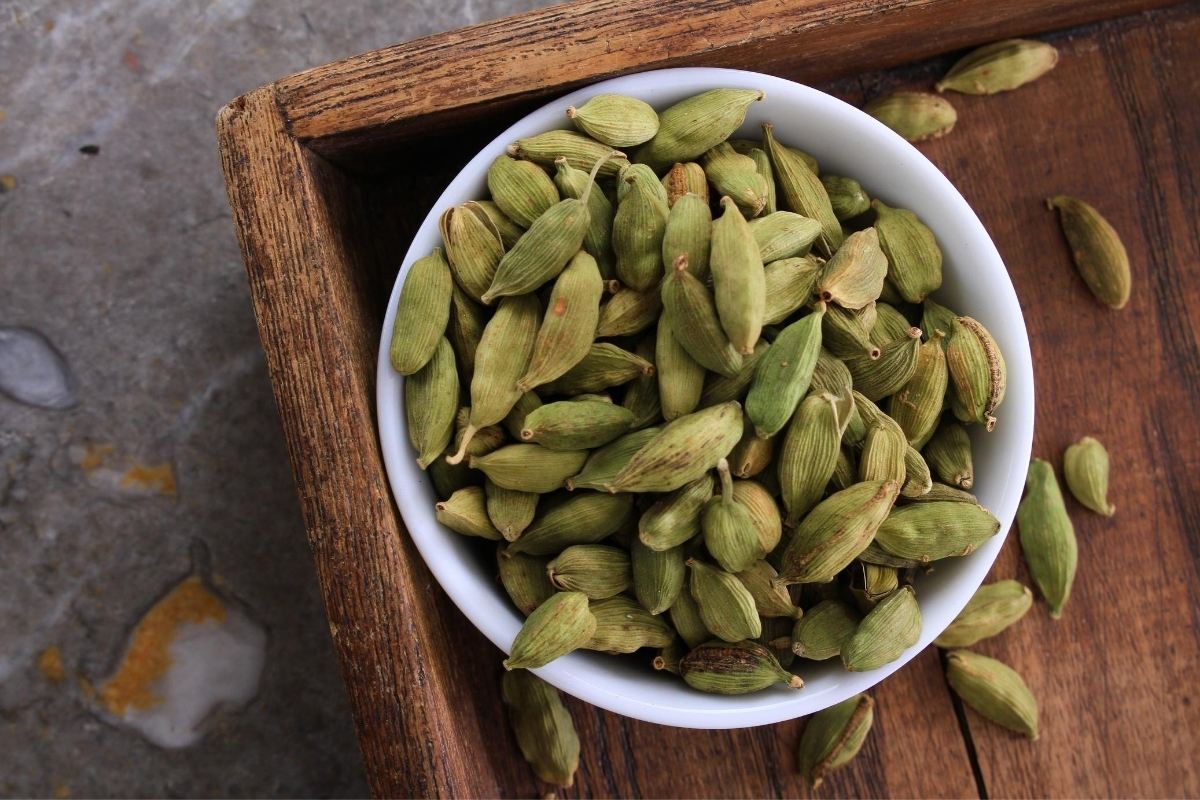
(576, 673)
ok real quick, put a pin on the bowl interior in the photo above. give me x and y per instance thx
(976, 283)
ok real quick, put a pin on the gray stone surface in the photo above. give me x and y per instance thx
(116, 244)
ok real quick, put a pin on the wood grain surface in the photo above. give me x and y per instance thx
(1116, 123)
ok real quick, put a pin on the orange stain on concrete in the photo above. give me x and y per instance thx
(94, 455)
(51, 666)
(158, 478)
(148, 657)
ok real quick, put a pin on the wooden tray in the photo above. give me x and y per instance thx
(330, 170)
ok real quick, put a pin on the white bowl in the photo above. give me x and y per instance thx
(846, 142)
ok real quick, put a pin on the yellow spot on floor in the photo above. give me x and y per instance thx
(51, 666)
(148, 656)
(94, 455)
(8, 183)
(157, 478)
(62, 790)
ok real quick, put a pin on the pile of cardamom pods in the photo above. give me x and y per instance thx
(699, 397)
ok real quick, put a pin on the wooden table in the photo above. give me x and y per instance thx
(330, 171)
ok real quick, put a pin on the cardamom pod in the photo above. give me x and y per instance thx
(789, 285)
(882, 457)
(695, 125)
(847, 333)
(566, 520)
(877, 378)
(688, 233)
(685, 618)
(510, 511)
(736, 176)
(686, 448)
(846, 196)
(542, 725)
(833, 737)
(421, 313)
(917, 406)
(464, 330)
(890, 628)
(576, 424)
(1096, 248)
(597, 570)
(994, 689)
(930, 531)
(739, 282)
(999, 67)
(830, 374)
(890, 324)
(686, 178)
(680, 378)
(561, 624)
(824, 630)
(569, 327)
(771, 597)
(465, 512)
(580, 151)
(917, 478)
(430, 404)
(784, 374)
(509, 230)
(939, 492)
(809, 454)
(514, 421)
(914, 260)
(801, 191)
(836, 531)
(978, 376)
(764, 512)
(668, 658)
(597, 241)
(993, 607)
(917, 116)
(691, 311)
(854, 275)
(641, 395)
(524, 579)
(784, 234)
(720, 388)
(674, 519)
(729, 534)
(530, 467)
(543, 252)
(762, 163)
(937, 318)
(629, 312)
(726, 606)
(734, 668)
(751, 455)
(473, 247)
(603, 366)
(1047, 536)
(948, 454)
(520, 189)
(603, 465)
(616, 120)
(845, 471)
(658, 575)
(623, 626)
(638, 229)
(1085, 467)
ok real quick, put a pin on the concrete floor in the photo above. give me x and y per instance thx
(116, 245)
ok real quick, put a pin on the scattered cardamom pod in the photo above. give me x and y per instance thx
(542, 725)
(1085, 468)
(994, 689)
(917, 116)
(1047, 536)
(999, 67)
(1096, 249)
(993, 607)
(833, 737)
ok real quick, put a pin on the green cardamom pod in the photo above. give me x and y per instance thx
(830, 374)
(734, 668)
(833, 737)
(530, 467)
(638, 229)
(473, 247)
(561, 624)
(948, 454)
(846, 196)
(764, 512)
(809, 454)
(729, 534)
(824, 630)
(509, 510)
(576, 424)
(914, 260)
(751, 455)
(680, 378)
(668, 658)
(685, 448)
(421, 313)
(565, 520)
(1085, 467)
(999, 67)
(502, 357)
(514, 421)
(581, 152)
(597, 241)
(616, 120)
(691, 311)
(688, 233)
(465, 512)
(430, 404)
(917, 406)
(542, 726)
(464, 330)
(641, 176)
(882, 457)
(509, 230)
(695, 125)
(658, 575)
(784, 374)
(762, 163)
(854, 275)
(917, 116)
(686, 178)
(726, 606)
(784, 234)
(789, 285)
(846, 333)
(845, 471)
(520, 189)
(890, 324)
(685, 619)
(918, 480)
(735, 176)
(939, 492)
(629, 312)
(524, 579)
(603, 366)
(597, 570)
(543, 252)
(930, 531)
(771, 597)
(569, 327)
(739, 282)
(1096, 248)
(720, 388)
(836, 531)
(978, 376)
(602, 465)
(937, 318)
(623, 626)
(993, 607)
(994, 689)
(883, 376)
(674, 518)
(449, 478)
(801, 191)
(641, 395)
(1047, 536)
(890, 628)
